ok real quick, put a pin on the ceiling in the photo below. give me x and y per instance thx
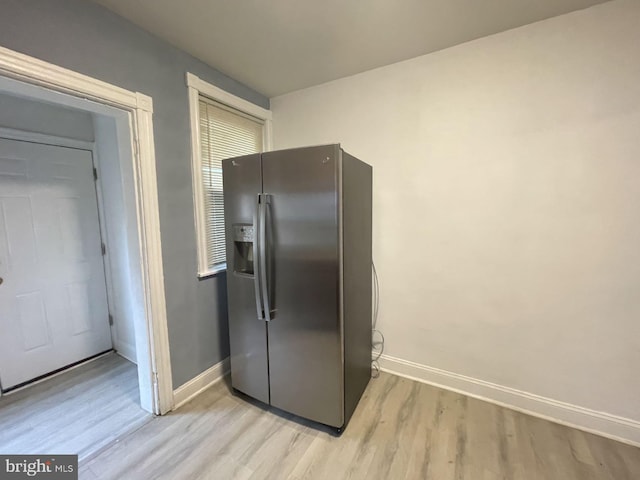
(278, 46)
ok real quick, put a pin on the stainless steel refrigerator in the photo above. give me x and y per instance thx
(298, 240)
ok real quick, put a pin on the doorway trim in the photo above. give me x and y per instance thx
(154, 365)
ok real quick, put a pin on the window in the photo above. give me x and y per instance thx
(224, 133)
(222, 126)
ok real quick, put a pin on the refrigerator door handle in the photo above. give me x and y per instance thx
(266, 199)
(257, 251)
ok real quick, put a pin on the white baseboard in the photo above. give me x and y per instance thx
(611, 426)
(196, 385)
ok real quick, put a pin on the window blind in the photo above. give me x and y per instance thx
(224, 132)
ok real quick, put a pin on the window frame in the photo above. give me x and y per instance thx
(198, 87)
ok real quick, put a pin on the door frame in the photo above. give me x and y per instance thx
(152, 339)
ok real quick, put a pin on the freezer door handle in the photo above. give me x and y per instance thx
(262, 260)
(257, 251)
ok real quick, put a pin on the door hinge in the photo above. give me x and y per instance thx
(136, 147)
(110, 319)
(155, 378)
(103, 248)
(95, 173)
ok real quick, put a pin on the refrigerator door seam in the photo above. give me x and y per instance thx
(266, 325)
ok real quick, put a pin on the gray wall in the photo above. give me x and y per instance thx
(24, 114)
(87, 38)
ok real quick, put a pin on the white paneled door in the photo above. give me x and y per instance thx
(53, 303)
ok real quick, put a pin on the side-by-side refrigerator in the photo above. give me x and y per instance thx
(298, 239)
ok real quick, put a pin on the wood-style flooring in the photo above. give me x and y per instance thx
(79, 411)
(401, 430)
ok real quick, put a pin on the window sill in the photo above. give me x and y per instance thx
(212, 272)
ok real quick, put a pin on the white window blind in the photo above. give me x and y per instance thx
(224, 132)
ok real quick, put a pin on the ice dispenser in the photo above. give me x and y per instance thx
(243, 248)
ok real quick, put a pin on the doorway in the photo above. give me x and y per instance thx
(130, 115)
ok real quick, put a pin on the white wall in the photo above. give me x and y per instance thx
(506, 200)
(123, 300)
(24, 114)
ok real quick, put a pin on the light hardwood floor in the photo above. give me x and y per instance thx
(79, 411)
(401, 430)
